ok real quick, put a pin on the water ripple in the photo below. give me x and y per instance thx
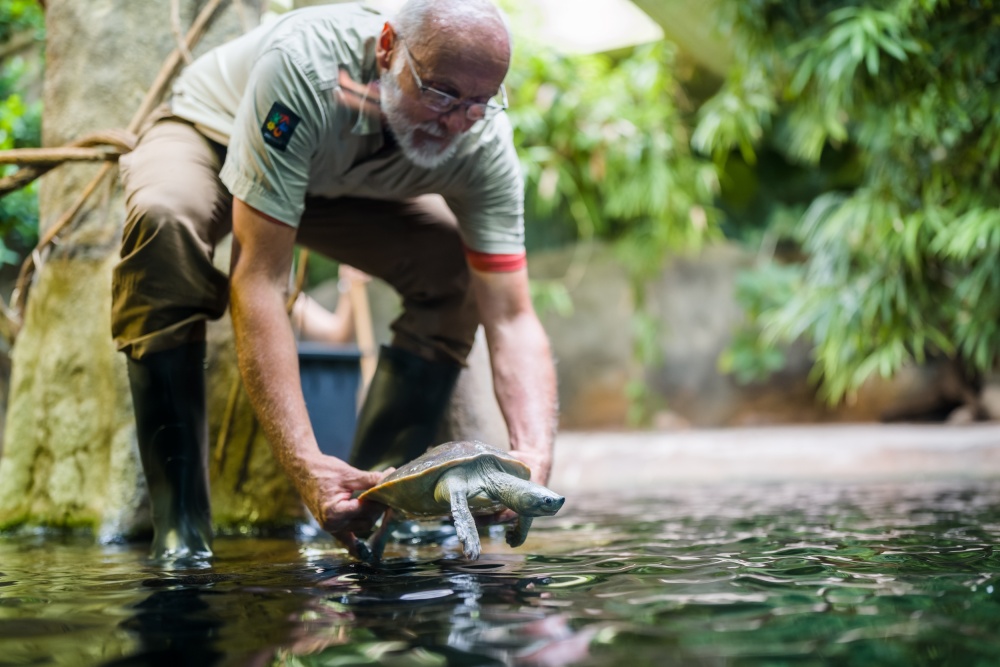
(894, 574)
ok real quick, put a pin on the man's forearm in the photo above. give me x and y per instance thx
(268, 364)
(524, 379)
(265, 344)
(268, 359)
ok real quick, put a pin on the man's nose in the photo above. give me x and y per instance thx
(456, 121)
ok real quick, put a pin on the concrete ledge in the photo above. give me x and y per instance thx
(623, 461)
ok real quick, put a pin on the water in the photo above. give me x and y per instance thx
(790, 574)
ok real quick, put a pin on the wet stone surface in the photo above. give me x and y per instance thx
(785, 574)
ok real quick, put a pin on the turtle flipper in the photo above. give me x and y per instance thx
(465, 525)
(518, 531)
(455, 489)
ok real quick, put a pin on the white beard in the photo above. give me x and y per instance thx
(427, 156)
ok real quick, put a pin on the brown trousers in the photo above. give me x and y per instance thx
(177, 209)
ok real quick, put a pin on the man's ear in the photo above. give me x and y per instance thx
(385, 46)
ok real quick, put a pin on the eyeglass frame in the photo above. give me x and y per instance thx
(490, 108)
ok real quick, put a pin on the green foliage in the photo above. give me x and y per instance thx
(643, 402)
(606, 154)
(605, 146)
(20, 127)
(551, 296)
(901, 265)
(751, 356)
(20, 16)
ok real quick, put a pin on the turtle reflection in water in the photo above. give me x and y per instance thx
(462, 479)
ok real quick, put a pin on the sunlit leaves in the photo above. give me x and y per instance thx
(736, 117)
(604, 143)
(971, 235)
(18, 16)
(855, 36)
(903, 267)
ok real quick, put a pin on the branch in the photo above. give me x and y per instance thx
(17, 43)
(175, 27)
(21, 178)
(119, 139)
(52, 157)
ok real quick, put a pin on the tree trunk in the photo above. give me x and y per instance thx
(70, 458)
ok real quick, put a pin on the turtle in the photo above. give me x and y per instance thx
(462, 478)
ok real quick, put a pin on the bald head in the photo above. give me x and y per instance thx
(462, 25)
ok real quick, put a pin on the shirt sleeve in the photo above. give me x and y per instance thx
(490, 207)
(275, 134)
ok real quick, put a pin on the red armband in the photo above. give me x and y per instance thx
(494, 263)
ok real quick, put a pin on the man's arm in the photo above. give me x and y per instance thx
(524, 377)
(268, 360)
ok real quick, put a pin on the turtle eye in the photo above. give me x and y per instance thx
(548, 501)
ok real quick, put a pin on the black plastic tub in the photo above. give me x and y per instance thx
(331, 378)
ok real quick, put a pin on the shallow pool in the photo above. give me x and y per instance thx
(785, 574)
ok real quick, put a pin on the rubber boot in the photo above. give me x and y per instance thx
(168, 396)
(406, 399)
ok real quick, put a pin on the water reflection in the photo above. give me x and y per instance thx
(895, 574)
(175, 626)
(435, 613)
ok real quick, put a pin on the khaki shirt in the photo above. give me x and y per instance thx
(274, 97)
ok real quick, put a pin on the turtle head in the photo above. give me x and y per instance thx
(536, 500)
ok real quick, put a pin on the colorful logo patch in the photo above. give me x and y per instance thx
(279, 125)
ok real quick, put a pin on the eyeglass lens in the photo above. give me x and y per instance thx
(442, 102)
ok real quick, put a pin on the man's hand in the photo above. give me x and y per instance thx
(539, 461)
(328, 492)
(328, 488)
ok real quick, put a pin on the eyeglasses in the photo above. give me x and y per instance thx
(442, 102)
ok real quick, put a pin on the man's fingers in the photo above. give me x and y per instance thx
(346, 517)
(355, 546)
(345, 508)
(352, 515)
(368, 514)
(363, 480)
(336, 517)
(347, 539)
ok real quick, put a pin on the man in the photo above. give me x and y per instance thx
(333, 129)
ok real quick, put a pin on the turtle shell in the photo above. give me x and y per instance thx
(410, 488)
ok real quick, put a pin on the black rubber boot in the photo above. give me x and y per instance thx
(406, 399)
(168, 396)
